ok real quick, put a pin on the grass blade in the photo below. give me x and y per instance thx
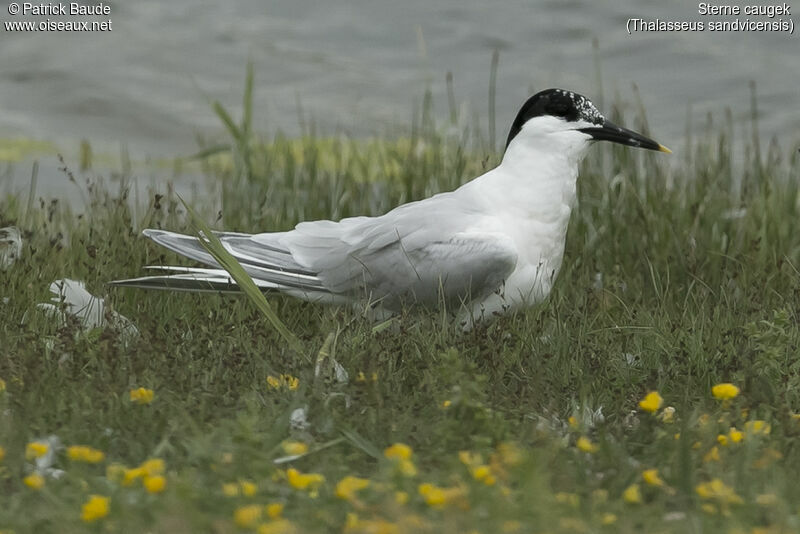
(358, 441)
(214, 247)
(228, 121)
(211, 151)
(247, 104)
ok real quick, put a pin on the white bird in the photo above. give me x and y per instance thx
(493, 245)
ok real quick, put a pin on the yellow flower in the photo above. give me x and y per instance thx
(142, 396)
(129, 476)
(651, 402)
(712, 455)
(718, 490)
(288, 381)
(735, 435)
(274, 510)
(348, 486)
(81, 453)
(470, 458)
(36, 449)
(361, 377)
(722, 439)
(302, 481)
(400, 497)
(34, 481)
(446, 403)
(155, 483)
(230, 489)
(668, 415)
(248, 488)
(724, 391)
(247, 516)
(573, 422)
(281, 526)
(294, 447)
(398, 451)
(401, 454)
(153, 466)
(434, 496)
(291, 382)
(483, 473)
(757, 427)
(407, 468)
(632, 494)
(510, 453)
(95, 508)
(651, 477)
(115, 472)
(608, 519)
(2, 454)
(2, 386)
(709, 508)
(351, 521)
(437, 497)
(586, 445)
(355, 525)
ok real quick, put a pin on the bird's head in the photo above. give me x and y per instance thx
(562, 121)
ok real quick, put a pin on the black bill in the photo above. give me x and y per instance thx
(617, 134)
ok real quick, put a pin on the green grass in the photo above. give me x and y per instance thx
(679, 274)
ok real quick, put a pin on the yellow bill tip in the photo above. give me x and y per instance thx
(662, 148)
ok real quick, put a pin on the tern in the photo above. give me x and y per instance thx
(492, 246)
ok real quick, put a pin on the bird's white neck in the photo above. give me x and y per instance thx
(541, 154)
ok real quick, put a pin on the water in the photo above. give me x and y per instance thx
(359, 66)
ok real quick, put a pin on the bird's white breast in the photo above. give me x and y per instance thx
(529, 198)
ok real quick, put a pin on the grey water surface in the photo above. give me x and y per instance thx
(359, 67)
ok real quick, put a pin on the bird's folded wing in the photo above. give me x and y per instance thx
(397, 266)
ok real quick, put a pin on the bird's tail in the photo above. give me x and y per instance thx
(269, 264)
(193, 279)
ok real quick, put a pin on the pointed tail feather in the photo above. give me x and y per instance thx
(270, 266)
(190, 279)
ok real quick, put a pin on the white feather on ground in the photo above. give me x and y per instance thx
(72, 298)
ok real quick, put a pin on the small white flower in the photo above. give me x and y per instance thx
(299, 419)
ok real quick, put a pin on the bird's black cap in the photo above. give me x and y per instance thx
(556, 102)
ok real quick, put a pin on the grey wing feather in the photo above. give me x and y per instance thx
(406, 255)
